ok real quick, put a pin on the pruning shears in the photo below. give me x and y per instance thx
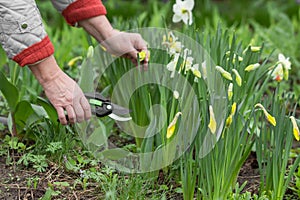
(102, 107)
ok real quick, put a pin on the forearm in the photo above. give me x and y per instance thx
(45, 70)
(99, 27)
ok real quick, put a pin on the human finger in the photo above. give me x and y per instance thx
(78, 111)
(71, 114)
(86, 108)
(61, 115)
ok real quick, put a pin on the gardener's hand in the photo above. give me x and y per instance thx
(115, 42)
(125, 44)
(62, 91)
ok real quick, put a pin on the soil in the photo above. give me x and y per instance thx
(14, 182)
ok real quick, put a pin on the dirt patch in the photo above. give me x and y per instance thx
(17, 183)
(250, 173)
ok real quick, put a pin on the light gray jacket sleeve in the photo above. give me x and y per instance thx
(22, 34)
(61, 5)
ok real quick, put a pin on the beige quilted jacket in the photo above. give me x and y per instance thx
(22, 34)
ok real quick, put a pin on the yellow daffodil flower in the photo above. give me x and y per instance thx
(255, 48)
(195, 70)
(142, 55)
(197, 73)
(228, 121)
(295, 128)
(233, 108)
(230, 91)
(252, 67)
(212, 121)
(90, 52)
(72, 62)
(172, 126)
(238, 78)
(269, 117)
(224, 73)
(229, 118)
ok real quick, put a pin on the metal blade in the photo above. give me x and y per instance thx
(119, 118)
(119, 110)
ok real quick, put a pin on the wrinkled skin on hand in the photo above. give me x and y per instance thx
(65, 95)
(125, 44)
(62, 91)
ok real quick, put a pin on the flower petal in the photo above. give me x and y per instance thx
(252, 67)
(230, 91)
(295, 128)
(176, 18)
(238, 78)
(188, 4)
(185, 18)
(212, 121)
(172, 125)
(269, 117)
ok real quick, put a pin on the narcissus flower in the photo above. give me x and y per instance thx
(171, 66)
(238, 78)
(72, 62)
(252, 67)
(172, 43)
(295, 128)
(195, 70)
(255, 48)
(230, 91)
(224, 73)
(269, 117)
(212, 121)
(90, 52)
(183, 11)
(232, 113)
(278, 73)
(142, 55)
(175, 94)
(187, 64)
(286, 65)
(281, 69)
(172, 126)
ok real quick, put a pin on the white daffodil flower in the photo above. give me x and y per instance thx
(286, 65)
(187, 64)
(171, 66)
(176, 94)
(284, 61)
(183, 11)
(278, 73)
(172, 43)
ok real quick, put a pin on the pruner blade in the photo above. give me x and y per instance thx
(101, 107)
